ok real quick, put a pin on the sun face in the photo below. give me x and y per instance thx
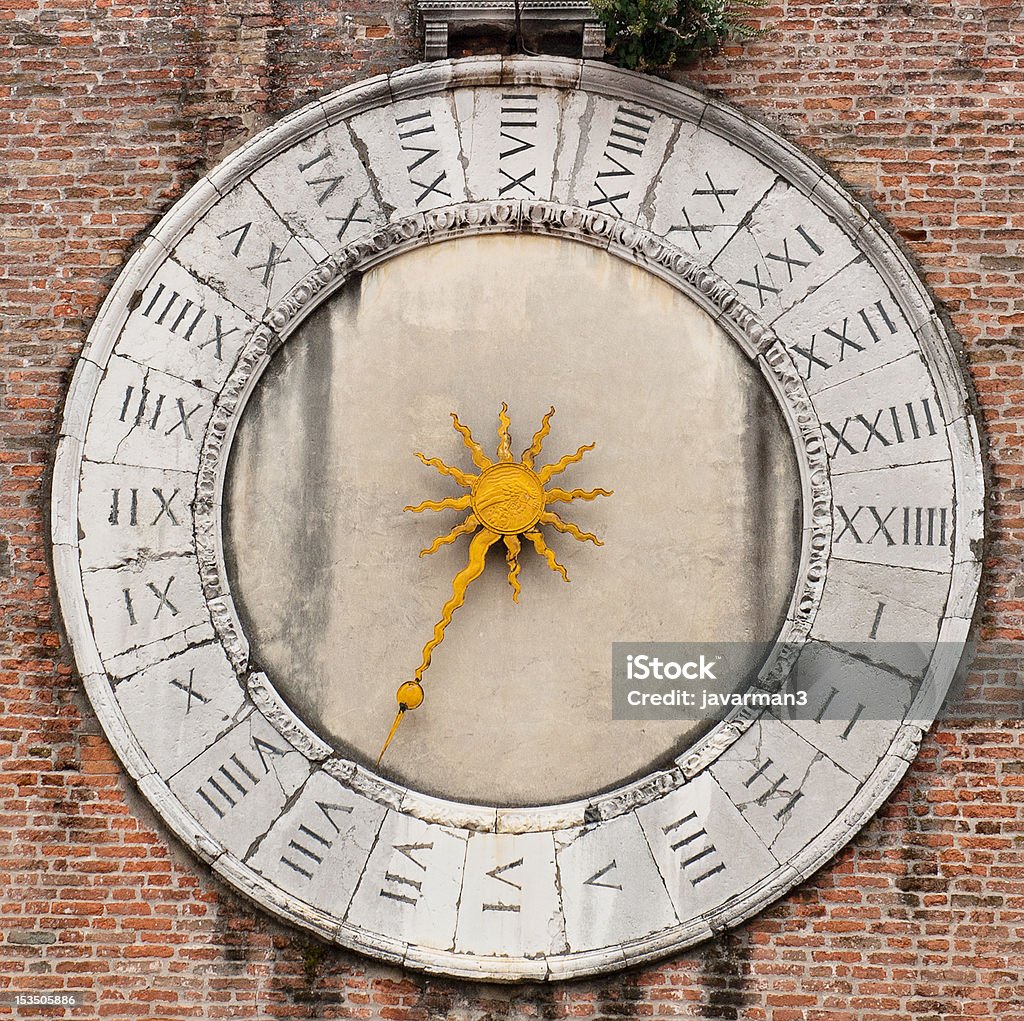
(507, 501)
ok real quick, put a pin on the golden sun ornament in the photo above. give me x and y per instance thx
(507, 501)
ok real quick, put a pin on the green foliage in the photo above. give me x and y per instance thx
(655, 35)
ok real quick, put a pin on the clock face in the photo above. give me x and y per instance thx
(782, 452)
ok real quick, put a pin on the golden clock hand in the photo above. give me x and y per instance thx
(409, 696)
(507, 501)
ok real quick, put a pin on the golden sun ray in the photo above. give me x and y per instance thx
(508, 500)
(469, 525)
(480, 459)
(478, 547)
(504, 439)
(538, 438)
(565, 495)
(552, 519)
(462, 478)
(542, 548)
(512, 548)
(448, 503)
(562, 463)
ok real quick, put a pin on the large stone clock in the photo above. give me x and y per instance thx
(783, 453)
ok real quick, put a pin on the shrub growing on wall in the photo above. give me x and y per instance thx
(655, 35)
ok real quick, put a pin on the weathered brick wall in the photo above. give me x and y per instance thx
(110, 111)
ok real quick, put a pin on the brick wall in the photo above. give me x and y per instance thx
(111, 110)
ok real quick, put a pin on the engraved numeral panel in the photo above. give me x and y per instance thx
(319, 846)
(704, 190)
(411, 882)
(610, 155)
(900, 516)
(239, 786)
(180, 706)
(145, 417)
(786, 249)
(888, 416)
(245, 249)
(144, 602)
(853, 708)
(510, 137)
(509, 902)
(182, 326)
(786, 789)
(126, 512)
(321, 189)
(414, 154)
(845, 328)
(612, 891)
(702, 845)
(891, 607)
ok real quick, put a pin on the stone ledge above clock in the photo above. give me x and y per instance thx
(563, 27)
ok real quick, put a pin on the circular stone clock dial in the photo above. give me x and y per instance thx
(325, 573)
(774, 404)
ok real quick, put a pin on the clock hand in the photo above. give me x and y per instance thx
(410, 694)
(507, 501)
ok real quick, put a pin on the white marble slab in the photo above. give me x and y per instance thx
(242, 783)
(509, 904)
(144, 601)
(705, 849)
(786, 248)
(128, 513)
(612, 891)
(179, 707)
(786, 788)
(413, 154)
(703, 192)
(321, 189)
(245, 251)
(411, 882)
(184, 327)
(510, 137)
(318, 847)
(887, 416)
(142, 416)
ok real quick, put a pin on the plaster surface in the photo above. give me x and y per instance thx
(323, 561)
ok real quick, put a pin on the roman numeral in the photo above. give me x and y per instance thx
(517, 113)
(128, 513)
(275, 256)
(162, 596)
(307, 848)
(693, 228)
(628, 135)
(149, 408)
(348, 219)
(413, 126)
(772, 789)
(789, 259)
(916, 526)
(877, 620)
(498, 873)
(698, 857)
(331, 182)
(823, 708)
(888, 427)
(225, 788)
(595, 879)
(715, 191)
(181, 316)
(402, 888)
(835, 343)
(190, 691)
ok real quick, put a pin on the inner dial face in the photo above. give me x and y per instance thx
(323, 562)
